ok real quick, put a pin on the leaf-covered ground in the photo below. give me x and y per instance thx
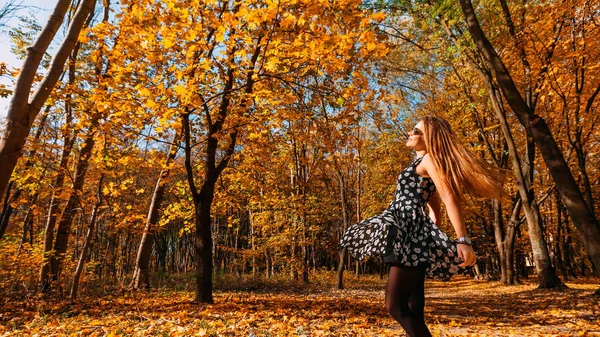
(461, 307)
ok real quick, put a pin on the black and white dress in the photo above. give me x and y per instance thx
(403, 233)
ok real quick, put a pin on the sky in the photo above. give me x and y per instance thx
(40, 10)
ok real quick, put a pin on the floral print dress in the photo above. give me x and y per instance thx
(403, 233)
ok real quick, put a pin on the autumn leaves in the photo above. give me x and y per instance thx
(233, 135)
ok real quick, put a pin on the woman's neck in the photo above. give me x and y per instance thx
(421, 153)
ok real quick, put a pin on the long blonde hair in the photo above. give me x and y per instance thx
(459, 168)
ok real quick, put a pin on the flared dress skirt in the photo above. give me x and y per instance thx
(403, 234)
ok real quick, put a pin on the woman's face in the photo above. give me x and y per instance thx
(416, 139)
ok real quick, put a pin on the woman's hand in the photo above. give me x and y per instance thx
(467, 254)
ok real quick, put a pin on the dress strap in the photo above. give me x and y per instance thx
(418, 160)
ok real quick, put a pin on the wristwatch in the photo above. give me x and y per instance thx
(465, 240)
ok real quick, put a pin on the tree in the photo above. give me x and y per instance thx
(8, 11)
(230, 66)
(587, 224)
(140, 274)
(23, 110)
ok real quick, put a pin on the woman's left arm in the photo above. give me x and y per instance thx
(453, 209)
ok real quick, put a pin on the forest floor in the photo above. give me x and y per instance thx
(250, 308)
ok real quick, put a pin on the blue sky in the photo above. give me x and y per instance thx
(40, 10)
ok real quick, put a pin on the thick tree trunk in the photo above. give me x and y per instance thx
(202, 204)
(204, 243)
(142, 262)
(22, 110)
(543, 264)
(7, 208)
(88, 242)
(585, 221)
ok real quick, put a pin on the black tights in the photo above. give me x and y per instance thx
(405, 299)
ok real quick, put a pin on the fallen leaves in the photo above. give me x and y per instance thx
(461, 307)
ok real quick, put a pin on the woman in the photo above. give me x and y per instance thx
(409, 239)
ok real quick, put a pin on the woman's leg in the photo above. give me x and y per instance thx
(405, 299)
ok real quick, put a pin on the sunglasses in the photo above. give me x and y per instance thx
(417, 132)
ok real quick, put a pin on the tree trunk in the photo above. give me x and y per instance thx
(585, 221)
(340, 270)
(142, 262)
(88, 241)
(203, 197)
(28, 220)
(508, 244)
(267, 266)
(26, 223)
(23, 111)
(204, 245)
(73, 203)
(53, 212)
(6, 206)
(304, 250)
(499, 236)
(558, 242)
(523, 175)
(252, 243)
(545, 270)
(61, 241)
(202, 204)
(6, 210)
(344, 252)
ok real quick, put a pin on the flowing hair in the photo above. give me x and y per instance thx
(459, 168)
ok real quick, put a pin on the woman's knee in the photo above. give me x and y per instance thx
(398, 308)
(416, 305)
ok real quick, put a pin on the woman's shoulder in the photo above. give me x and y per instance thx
(424, 165)
(426, 160)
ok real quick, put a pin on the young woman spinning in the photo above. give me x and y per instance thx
(406, 233)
